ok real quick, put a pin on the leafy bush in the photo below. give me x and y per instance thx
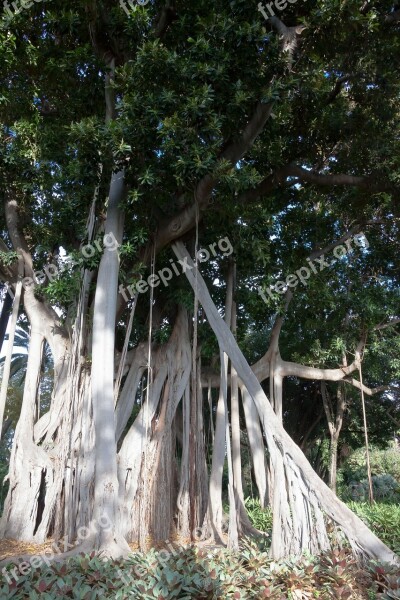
(382, 462)
(384, 487)
(260, 518)
(193, 573)
(383, 519)
(386, 581)
(201, 573)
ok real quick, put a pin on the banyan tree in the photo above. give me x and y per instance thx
(167, 131)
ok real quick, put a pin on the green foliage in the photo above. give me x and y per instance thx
(384, 487)
(162, 334)
(260, 518)
(207, 574)
(383, 519)
(7, 258)
(385, 467)
(61, 291)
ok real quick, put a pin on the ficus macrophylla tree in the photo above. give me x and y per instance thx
(172, 128)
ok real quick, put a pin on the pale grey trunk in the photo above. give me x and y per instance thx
(335, 425)
(333, 464)
(183, 501)
(30, 468)
(233, 537)
(256, 446)
(308, 496)
(8, 357)
(35, 473)
(146, 468)
(215, 511)
(106, 509)
(244, 526)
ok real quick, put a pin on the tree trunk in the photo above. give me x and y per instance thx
(213, 523)
(149, 493)
(333, 463)
(5, 316)
(35, 473)
(30, 469)
(244, 526)
(301, 506)
(335, 426)
(256, 446)
(55, 462)
(105, 308)
(10, 348)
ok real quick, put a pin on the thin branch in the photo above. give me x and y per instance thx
(349, 234)
(272, 181)
(280, 178)
(341, 179)
(395, 421)
(327, 407)
(338, 87)
(278, 25)
(393, 17)
(368, 391)
(391, 323)
(178, 225)
(167, 16)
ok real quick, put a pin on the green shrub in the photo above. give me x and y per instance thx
(260, 518)
(193, 573)
(384, 487)
(383, 519)
(382, 462)
(212, 574)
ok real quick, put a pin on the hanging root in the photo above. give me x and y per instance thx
(296, 483)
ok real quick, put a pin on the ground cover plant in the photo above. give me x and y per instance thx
(209, 574)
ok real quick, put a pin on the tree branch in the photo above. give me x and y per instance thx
(395, 421)
(180, 224)
(327, 407)
(289, 37)
(167, 16)
(266, 186)
(368, 391)
(338, 87)
(281, 175)
(352, 231)
(391, 323)
(393, 17)
(105, 47)
(55, 334)
(364, 182)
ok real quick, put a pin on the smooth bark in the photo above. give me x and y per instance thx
(316, 497)
(10, 348)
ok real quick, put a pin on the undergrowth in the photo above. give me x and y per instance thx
(193, 573)
(383, 519)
